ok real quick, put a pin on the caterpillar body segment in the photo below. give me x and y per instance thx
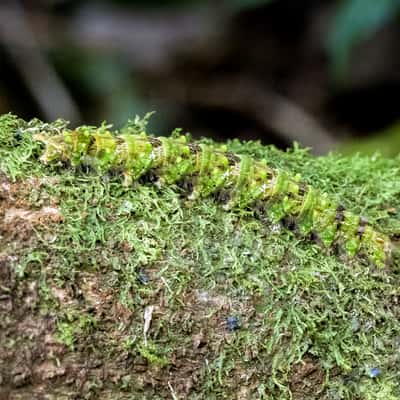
(134, 158)
(211, 171)
(239, 181)
(324, 220)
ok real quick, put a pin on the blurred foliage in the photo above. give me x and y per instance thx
(233, 4)
(355, 21)
(157, 3)
(386, 142)
(239, 5)
(98, 76)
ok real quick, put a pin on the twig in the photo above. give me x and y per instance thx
(173, 394)
(147, 316)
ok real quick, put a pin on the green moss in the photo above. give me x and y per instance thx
(71, 325)
(202, 264)
(152, 354)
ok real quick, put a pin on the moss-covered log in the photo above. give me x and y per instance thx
(137, 292)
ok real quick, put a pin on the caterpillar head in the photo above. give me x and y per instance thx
(56, 148)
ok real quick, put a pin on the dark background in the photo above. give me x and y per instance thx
(323, 73)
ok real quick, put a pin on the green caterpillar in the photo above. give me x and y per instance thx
(237, 181)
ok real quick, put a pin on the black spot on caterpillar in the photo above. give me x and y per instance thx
(236, 181)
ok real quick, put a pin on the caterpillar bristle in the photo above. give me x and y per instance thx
(148, 177)
(315, 237)
(339, 215)
(194, 148)
(289, 223)
(361, 227)
(223, 196)
(232, 158)
(186, 185)
(200, 170)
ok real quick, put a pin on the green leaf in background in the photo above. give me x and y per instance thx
(355, 21)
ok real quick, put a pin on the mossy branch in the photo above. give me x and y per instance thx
(79, 243)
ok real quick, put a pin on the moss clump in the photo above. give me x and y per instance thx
(153, 354)
(73, 324)
(311, 326)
